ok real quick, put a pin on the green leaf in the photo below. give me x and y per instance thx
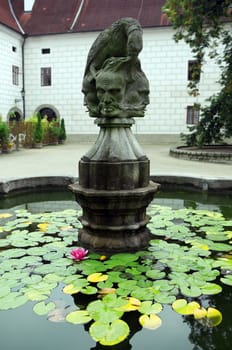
(192, 291)
(109, 333)
(35, 295)
(4, 290)
(99, 311)
(12, 301)
(43, 309)
(78, 317)
(211, 288)
(155, 274)
(13, 253)
(143, 293)
(89, 290)
(147, 307)
(164, 298)
(227, 280)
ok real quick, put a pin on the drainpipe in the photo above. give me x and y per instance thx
(23, 77)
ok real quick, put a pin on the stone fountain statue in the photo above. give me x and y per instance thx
(114, 188)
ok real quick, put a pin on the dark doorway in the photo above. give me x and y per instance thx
(49, 113)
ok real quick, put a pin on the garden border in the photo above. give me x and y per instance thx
(205, 154)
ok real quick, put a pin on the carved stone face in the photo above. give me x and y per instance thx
(137, 96)
(110, 91)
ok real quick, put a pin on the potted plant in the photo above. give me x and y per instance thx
(38, 133)
(4, 135)
(45, 128)
(62, 134)
(54, 131)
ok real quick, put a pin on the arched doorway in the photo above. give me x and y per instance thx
(49, 112)
(14, 115)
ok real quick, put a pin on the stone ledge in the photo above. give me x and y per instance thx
(25, 184)
(211, 154)
(166, 181)
(189, 183)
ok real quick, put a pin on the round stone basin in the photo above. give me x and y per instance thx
(22, 328)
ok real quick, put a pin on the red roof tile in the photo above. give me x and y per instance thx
(6, 16)
(47, 18)
(99, 14)
(58, 16)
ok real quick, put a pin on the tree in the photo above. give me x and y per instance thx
(62, 134)
(203, 25)
(38, 132)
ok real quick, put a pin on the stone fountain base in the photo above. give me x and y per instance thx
(114, 190)
(114, 220)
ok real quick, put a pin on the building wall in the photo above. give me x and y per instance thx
(10, 94)
(166, 65)
(164, 62)
(67, 59)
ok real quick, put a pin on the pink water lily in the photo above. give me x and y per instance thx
(79, 254)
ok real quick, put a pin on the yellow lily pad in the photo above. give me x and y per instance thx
(183, 308)
(5, 215)
(151, 321)
(105, 291)
(71, 289)
(132, 305)
(97, 277)
(214, 317)
(199, 313)
(43, 227)
(103, 258)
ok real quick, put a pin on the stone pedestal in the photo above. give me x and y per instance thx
(114, 190)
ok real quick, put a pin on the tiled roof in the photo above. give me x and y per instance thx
(59, 16)
(99, 14)
(6, 16)
(48, 16)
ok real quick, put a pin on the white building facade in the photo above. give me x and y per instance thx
(164, 62)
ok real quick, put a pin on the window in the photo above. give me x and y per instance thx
(15, 75)
(45, 51)
(46, 76)
(193, 114)
(193, 70)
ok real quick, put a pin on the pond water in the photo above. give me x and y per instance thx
(22, 329)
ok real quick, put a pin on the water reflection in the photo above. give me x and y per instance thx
(215, 338)
(176, 333)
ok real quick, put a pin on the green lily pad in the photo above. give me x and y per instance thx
(155, 274)
(147, 307)
(89, 290)
(109, 333)
(211, 289)
(12, 301)
(99, 311)
(13, 253)
(227, 280)
(43, 308)
(78, 317)
(4, 290)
